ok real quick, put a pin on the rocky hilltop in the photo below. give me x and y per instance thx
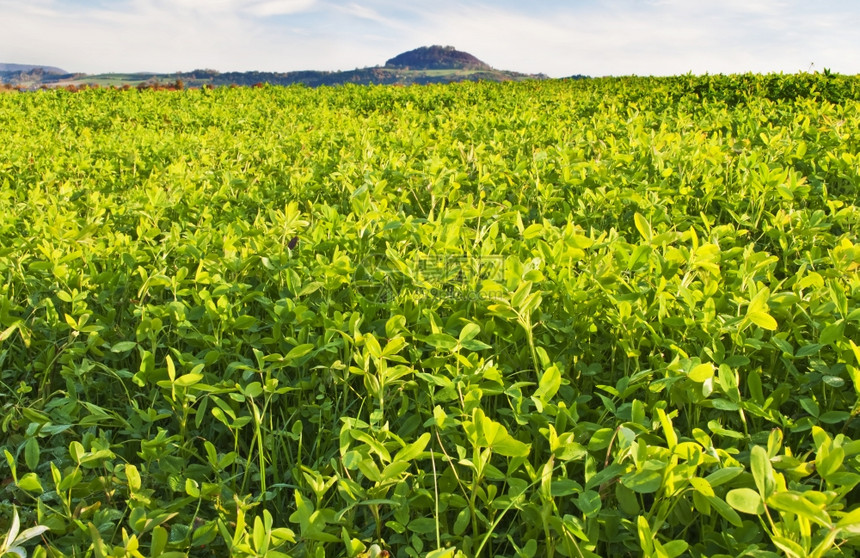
(437, 58)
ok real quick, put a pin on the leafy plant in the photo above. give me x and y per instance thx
(15, 538)
(559, 318)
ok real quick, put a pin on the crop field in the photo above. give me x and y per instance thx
(610, 317)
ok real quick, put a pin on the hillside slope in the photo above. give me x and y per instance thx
(424, 65)
(29, 68)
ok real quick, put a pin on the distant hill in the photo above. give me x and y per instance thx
(436, 58)
(425, 65)
(29, 68)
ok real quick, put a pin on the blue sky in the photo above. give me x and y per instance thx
(558, 38)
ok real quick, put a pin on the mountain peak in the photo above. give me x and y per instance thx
(436, 57)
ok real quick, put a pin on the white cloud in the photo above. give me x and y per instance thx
(261, 8)
(279, 7)
(366, 13)
(557, 37)
(660, 38)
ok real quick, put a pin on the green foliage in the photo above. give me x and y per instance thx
(591, 318)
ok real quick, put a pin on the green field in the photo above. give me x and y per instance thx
(613, 317)
(118, 80)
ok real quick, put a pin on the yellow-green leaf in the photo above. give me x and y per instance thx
(745, 500)
(762, 319)
(702, 373)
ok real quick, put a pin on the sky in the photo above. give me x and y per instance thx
(554, 37)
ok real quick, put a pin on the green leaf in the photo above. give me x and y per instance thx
(643, 482)
(643, 226)
(464, 516)
(673, 549)
(261, 541)
(762, 319)
(244, 322)
(668, 429)
(549, 384)
(702, 373)
(589, 502)
(123, 346)
(533, 231)
(372, 345)
(422, 525)
(442, 553)
(581, 241)
(508, 446)
(828, 462)
(171, 368)
(702, 486)
(854, 373)
(303, 513)
(762, 471)
(298, 352)
(7, 333)
(834, 417)
(791, 548)
(601, 439)
(441, 341)
(795, 503)
(833, 381)
(192, 488)
(832, 333)
(132, 477)
(469, 331)
(521, 294)
(850, 523)
(485, 432)
(808, 350)
(716, 428)
(810, 406)
(393, 347)
(627, 499)
(371, 442)
(71, 322)
(31, 453)
(745, 500)
(856, 350)
(351, 459)
(475, 345)
(188, 380)
(413, 450)
(783, 345)
(639, 256)
(723, 405)
(310, 288)
(159, 541)
(30, 483)
(646, 537)
(725, 510)
(724, 475)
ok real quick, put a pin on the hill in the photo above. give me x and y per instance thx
(437, 58)
(8, 68)
(425, 65)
